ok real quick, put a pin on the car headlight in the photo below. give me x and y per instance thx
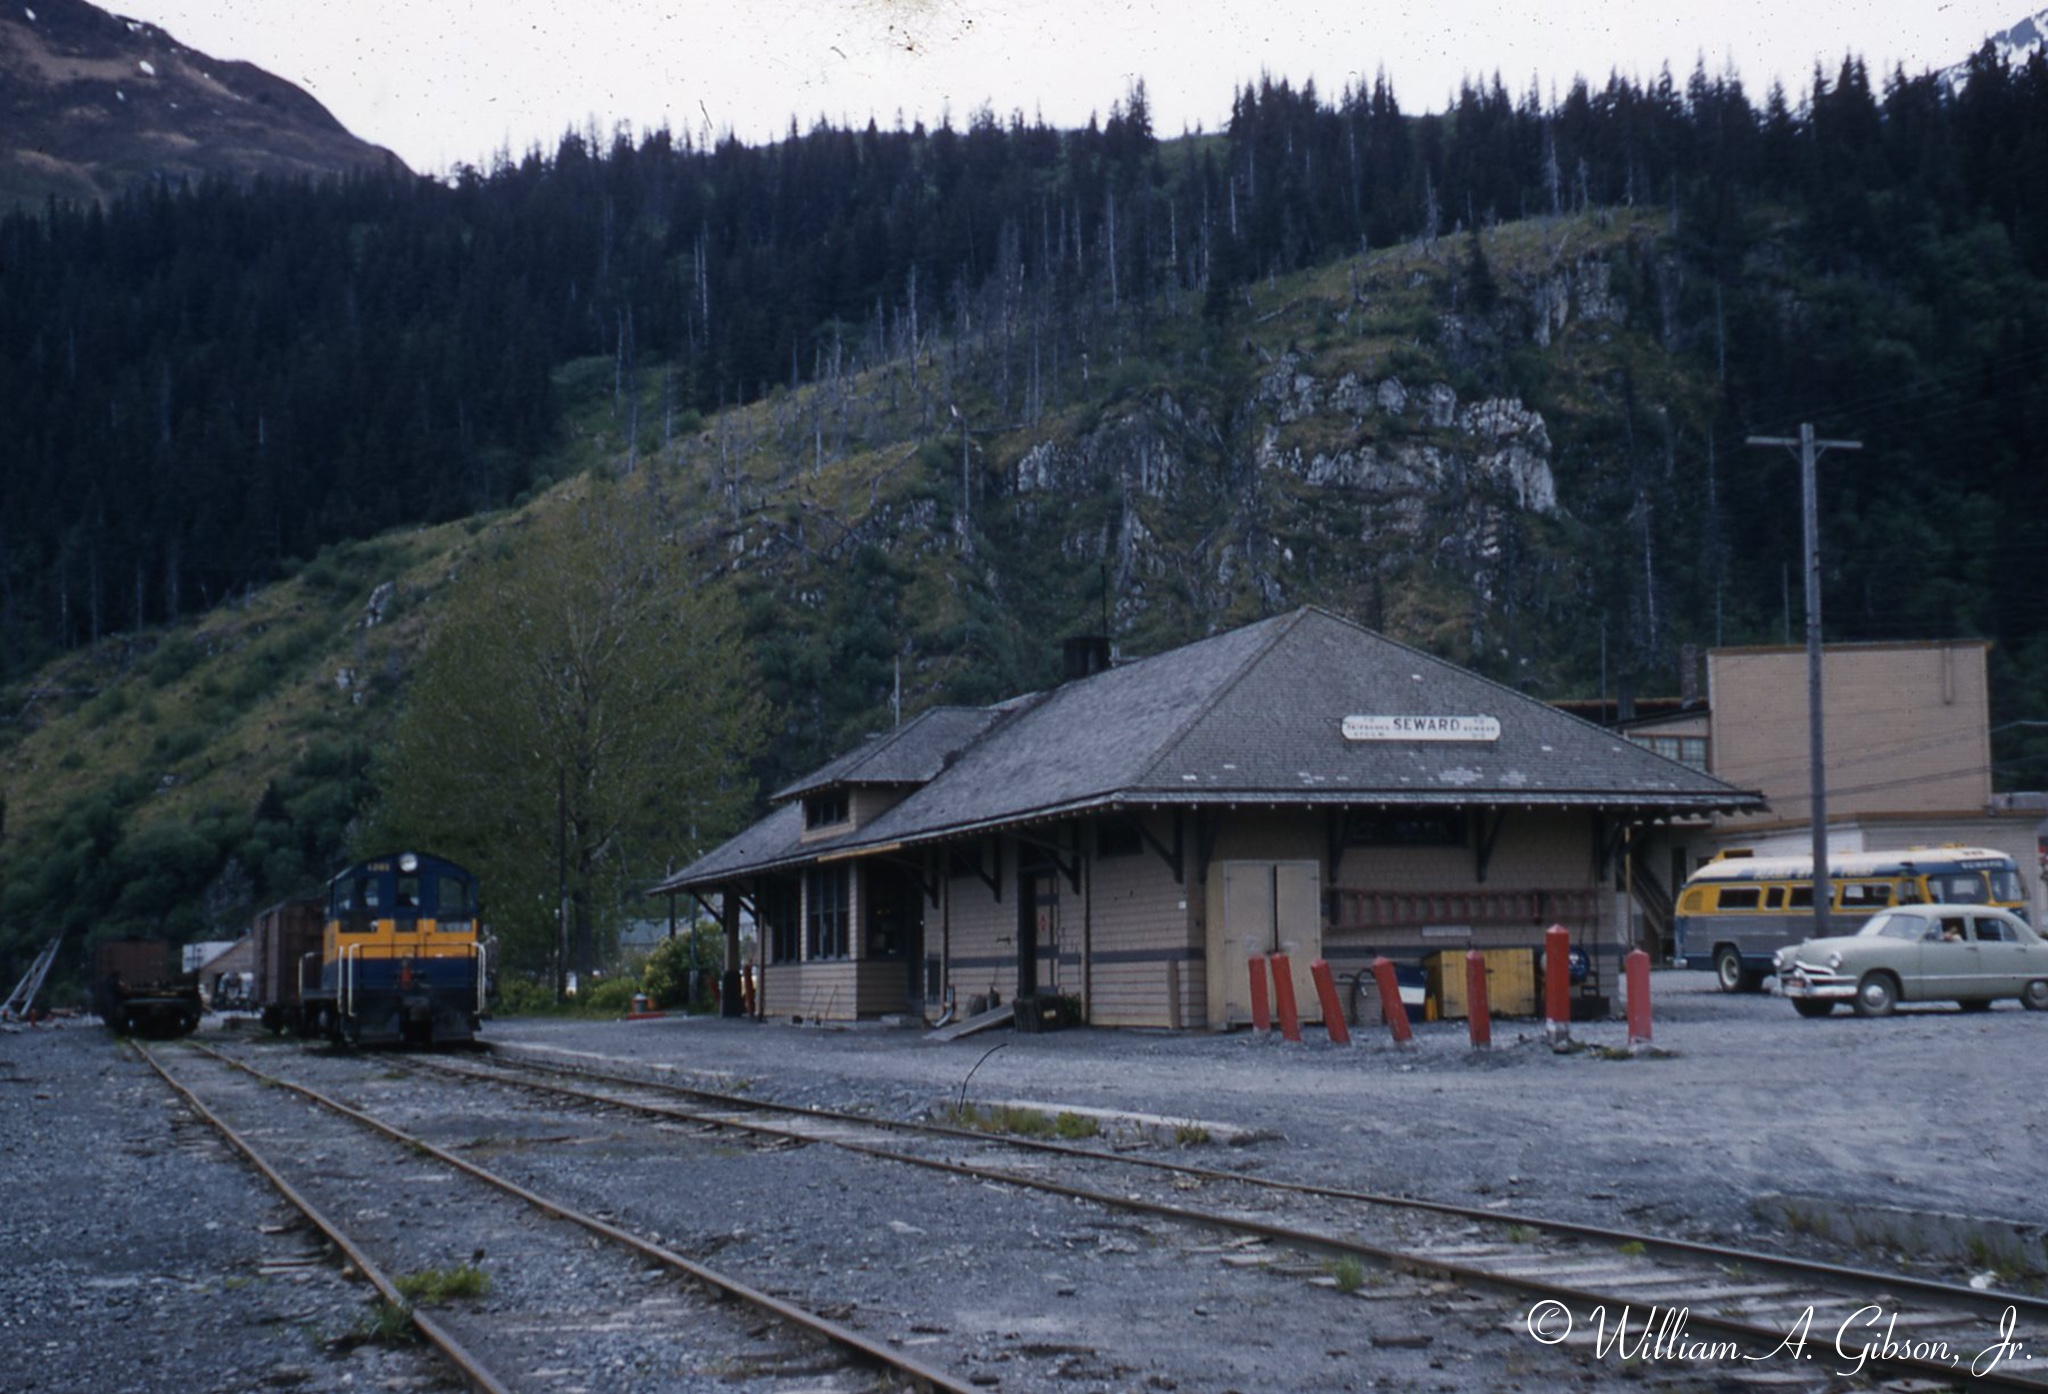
(1834, 960)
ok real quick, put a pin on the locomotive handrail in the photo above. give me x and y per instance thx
(483, 957)
(349, 954)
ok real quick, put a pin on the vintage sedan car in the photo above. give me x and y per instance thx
(1967, 954)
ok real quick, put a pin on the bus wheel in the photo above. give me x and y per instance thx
(1876, 995)
(1728, 969)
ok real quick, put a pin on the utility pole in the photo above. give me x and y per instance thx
(1810, 451)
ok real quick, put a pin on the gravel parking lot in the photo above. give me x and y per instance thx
(141, 1256)
(1929, 1109)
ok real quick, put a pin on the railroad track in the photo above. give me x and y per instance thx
(686, 1334)
(1633, 1295)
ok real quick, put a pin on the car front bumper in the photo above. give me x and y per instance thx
(1809, 981)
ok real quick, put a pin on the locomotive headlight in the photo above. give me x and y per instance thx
(408, 863)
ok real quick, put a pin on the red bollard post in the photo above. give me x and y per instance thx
(1283, 998)
(1636, 968)
(1262, 1015)
(1390, 999)
(1333, 1010)
(1557, 981)
(1478, 1011)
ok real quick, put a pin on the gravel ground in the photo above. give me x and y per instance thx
(1738, 1096)
(140, 1261)
(141, 1256)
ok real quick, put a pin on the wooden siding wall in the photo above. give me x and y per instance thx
(834, 990)
(1147, 967)
(980, 929)
(1535, 851)
(1131, 940)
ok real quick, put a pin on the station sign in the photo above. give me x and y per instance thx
(1421, 728)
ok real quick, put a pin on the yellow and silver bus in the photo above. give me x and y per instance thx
(1738, 910)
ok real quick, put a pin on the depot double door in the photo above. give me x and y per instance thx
(1261, 908)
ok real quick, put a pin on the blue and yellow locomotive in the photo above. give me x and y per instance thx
(402, 958)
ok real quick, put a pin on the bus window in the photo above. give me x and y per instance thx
(1739, 898)
(1956, 888)
(1694, 903)
(2006, 888)
(1774, 898)
(1864, 895)
(1802, 897)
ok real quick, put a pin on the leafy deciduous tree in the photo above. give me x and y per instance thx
(583, 716)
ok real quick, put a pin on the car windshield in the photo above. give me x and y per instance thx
(1892, 926)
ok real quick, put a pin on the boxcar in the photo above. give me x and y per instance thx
(288, 960)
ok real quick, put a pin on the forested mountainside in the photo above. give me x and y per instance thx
(925, 401)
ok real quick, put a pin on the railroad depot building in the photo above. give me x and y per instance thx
(1127, 839)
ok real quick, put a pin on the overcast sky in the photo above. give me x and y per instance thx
(448, 81)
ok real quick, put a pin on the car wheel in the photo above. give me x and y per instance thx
(1728, 969)
(1876, 995)
(1812, 1006)
(2034, 996)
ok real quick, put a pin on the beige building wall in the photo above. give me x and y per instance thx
(1143, 966)
(978, 928)
(1906, 725)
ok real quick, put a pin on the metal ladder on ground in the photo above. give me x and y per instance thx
(22, 999)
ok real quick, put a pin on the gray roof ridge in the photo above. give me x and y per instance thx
(1285, 625)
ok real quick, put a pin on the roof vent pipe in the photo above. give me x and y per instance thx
(1085, 656)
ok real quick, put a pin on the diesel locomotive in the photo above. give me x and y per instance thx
(401, 957)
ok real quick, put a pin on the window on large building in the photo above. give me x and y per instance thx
(1686, 750)
(825, 912)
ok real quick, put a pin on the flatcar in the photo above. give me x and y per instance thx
(138, 991)
(401, 957)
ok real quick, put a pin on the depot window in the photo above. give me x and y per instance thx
(779, 907)
(1118, 837)
(827, 810)
(825, 912)
(1405, 828)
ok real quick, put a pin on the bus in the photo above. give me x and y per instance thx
(1738, 910)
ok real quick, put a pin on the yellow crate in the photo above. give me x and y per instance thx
(1510, 982)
